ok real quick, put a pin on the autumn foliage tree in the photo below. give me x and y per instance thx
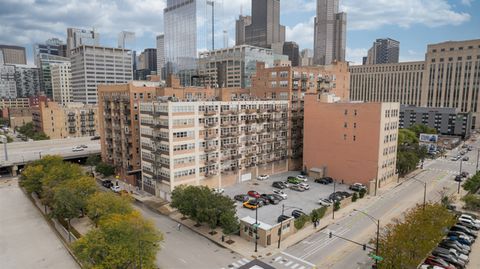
(104, 204)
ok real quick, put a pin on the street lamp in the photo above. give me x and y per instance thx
(424, 191)
(377, 222)
(281, 222)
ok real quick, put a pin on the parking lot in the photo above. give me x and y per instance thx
(306, 200)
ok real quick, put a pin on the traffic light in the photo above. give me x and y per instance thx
(364, 247)
(330, 235)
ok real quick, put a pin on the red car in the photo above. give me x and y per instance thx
(253, 194)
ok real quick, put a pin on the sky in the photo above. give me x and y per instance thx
(415, 23)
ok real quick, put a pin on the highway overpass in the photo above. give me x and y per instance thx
(20, 153)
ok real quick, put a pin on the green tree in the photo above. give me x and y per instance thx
(104, 204)
(29, 131)
(407, 241)
(336, 206)
(472, 202)
(83, 188)
(93, 160)
(229, 223)
(32, 178)
(421, 129)
(472, 184)
(120, 241)
(105, 169)
(300, 222)
(354, 197)
(55, 175)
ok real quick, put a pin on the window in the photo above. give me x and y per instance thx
(345, 125)
(354, 138)
(344, 137)
(354, 125)
(346, 112)
(355, 112)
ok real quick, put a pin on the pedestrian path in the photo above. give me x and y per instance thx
(451, 172)
(285, 260)
(237, 264)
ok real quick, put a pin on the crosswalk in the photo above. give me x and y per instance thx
(238, 263)
(444, 170)
(287, 261)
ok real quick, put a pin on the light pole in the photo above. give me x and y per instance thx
(281, 222)
(377, 222)
(460, 174)
(256, 227)
(334, 201)
(424, 191)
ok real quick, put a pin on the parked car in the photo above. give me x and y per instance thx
(279, 185)
(462, 257)
(458, 178)
(432, 260)
(428, 266)
(83, 146)
(279, 198)
(281, 193)
(325, 202)
(461, 234)
(297, 188)
(282, 218)
(251, 204)
(470, 217)
(293, 180)
(270, 198)
(465, 158)
(345, 194)
(263, 177)
(253, 194)
(304, 185)
(335, 197)
(322, 180)
(95, 138)
(287, 185)
(464, 174)
(453, 245)
(464, 229)
(218, 190)
(107, 184)
(302, 178)
(450, 259)
(468, 224)
(77, 148)
(116, 189)
(460, 239)
(297, 213)
(241, 197)
(463, 246)
(357, 187)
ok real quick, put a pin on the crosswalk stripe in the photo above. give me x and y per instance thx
(303, 267)
(288, 263)
(246, 260)
(235, 265)
(295, 266)
(241, 262)
(278, 258)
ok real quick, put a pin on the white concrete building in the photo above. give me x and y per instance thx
(61, 88)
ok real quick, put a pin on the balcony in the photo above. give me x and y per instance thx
(210, 148)
(211, 137)
(226, 112)
(210, 161)
(210, 125)
(250, 111)
(211, 173)
(210, 113)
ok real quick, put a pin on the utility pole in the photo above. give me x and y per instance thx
(478, 155)
(281, 227)
(378, 241)
(256, 227)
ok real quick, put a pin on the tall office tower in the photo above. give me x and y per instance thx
(263, 28)
(93, 65)
(384, 51)
(27, 80)
(52, 46)
(147, 64)
(330, 33)
(240, 25)
(78, 37)
(306, 57)
(187, 25)
(290, 49)
(45, 61)
(13, 54)
(61, 86)
(161, 56)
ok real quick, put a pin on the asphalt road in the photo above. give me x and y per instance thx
(187, 249)
(29, 151)
(336, 253)
(26, 240)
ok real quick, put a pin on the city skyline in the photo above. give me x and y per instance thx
(429, 22)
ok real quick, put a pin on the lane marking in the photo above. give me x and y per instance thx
(298, 259)
(295, 266)
(288, 263)
(246, 260)
(235, 265)
(278, 258)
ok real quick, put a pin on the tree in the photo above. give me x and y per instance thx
(421, 129)
(472, 202)
(472, 184)
(354, 197)
(65, 205)
(57, 174)
(105, 169)
(104, 204)
(29, 131)
(120, 241)
(83, 188)
(405, 243)
(93, 160)
(33, 175)
(229, 223)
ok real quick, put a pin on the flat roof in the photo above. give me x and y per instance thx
(262, 226)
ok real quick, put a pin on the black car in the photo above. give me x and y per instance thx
(297, 213)
(107, 184)
(322, 181)
(450, 244)
(459, 228)
(282, 218)
(458, 178)
(346, 194)
(95, 138)
(263, 200)
(241, 197)
(257, 201)
(335, 197)
(279, 185)
(464, 174)
(272, 199)
(450, 259)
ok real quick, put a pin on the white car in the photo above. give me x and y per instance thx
(302, 178)
(324, 202)
(469, 222)
(74, 149)
(427, 266)
(219, 191)
(263, 177)
(116, 188)
(280, 193)
(304, 185)
(468, 217)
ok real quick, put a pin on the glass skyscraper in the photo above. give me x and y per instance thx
(188, 31)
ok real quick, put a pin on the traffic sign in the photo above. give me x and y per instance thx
(375, 257)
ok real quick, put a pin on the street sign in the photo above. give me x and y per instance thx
(375, 257)
(256, 225)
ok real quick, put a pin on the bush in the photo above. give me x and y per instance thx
(318, 213)
(472, 184)
(362, 193)
(354, 197)
(105, 169)
(472, 202)
(336, 206)
(300, 222)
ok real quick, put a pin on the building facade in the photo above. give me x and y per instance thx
(232, 67)
(383, 51)
(240, 24)
(291, 84)
(77, 37)
(14, 103)
(306, 57)
(161, 56)
(64, 121)
(13, 54)
(52, 46)
(351, 142)
(61, 87)
(447, 121)
(290, 49)
(92, 66)
(45, 61)
(27, 79)
(19, 117)
(211, 143)
(329, 33)
(8, 85)
(147, 64)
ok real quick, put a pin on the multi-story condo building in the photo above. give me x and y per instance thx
(27, 79)
(449, 77)
(351, 142)
(232, 67)
(61, 77)
(8, 85)
(306, 57)
(119, 118)
(329, 33)
(401, 82)
(45, 62)
(13, 54)
(14, 103)
(263, 28)
(63, 121)
(212, 143)
(92, 66)
(52, 46)
(447, 121)
(383, 51)
(290, 49)
(78, 37)
(292, 83)
(161, 56)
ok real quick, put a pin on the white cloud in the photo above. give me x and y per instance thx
(301, 33)
(467, 2)
(355, 55)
